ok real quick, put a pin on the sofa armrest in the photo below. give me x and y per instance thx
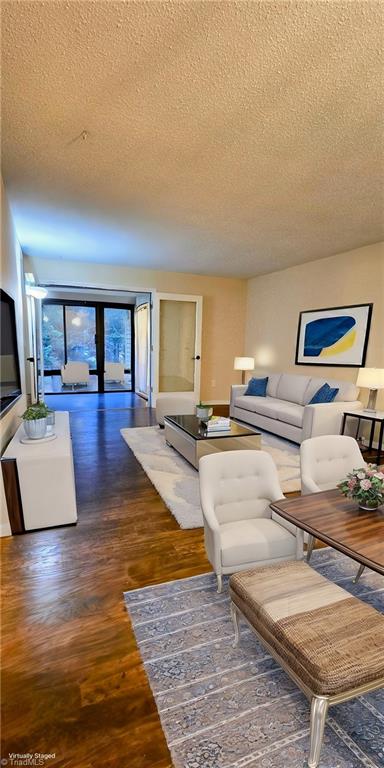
(236, 391)
(325, 418)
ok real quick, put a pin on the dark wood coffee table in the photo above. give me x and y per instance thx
(187, 435)
(337, 521)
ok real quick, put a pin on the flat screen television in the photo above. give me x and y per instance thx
(10, 383)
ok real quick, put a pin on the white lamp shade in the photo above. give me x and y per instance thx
(371, 378)
(244, 364)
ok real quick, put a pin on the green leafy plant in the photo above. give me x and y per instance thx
(366, 485)
(37, 411)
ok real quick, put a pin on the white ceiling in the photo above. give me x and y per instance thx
(229, 138)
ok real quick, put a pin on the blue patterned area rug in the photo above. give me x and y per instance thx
(222, 707)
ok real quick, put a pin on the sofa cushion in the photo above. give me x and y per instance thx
(256, 387)
(292, 388)
(273, 381)
(347, 389)
(248, 402)
(290, 413)
(251, 541)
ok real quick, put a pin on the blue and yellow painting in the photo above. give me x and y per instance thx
(328, 336)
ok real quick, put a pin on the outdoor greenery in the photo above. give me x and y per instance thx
(80, 324)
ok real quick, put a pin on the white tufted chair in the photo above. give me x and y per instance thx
(75, 373)
(324, 462)
(114, 372)
(170, 404)
(240, 529)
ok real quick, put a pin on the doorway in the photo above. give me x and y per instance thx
(99, 335)
(177, 344)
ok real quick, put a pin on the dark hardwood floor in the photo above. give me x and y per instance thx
(73, 682)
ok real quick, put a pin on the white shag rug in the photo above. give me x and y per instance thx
(177, 481)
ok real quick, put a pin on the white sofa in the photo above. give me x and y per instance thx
(285, 410)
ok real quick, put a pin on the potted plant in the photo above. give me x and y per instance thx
(35, 421)
(366, 485)
(203, 412)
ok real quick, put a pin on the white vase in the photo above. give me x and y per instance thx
(35, 429)
(204, 414)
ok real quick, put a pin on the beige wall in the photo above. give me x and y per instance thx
(11, 271)
(224, 302)
(275, 300)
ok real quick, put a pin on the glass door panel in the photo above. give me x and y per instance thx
(117, 348)
(177, 335)
(53, 336)
(80, 325)
(142, 349)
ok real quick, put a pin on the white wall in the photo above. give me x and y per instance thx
(275, 300)
(11, 281)
(223, 309)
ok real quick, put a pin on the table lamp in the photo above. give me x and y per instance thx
(244, 364)
(372, 379)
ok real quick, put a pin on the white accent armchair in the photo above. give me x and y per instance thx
(75, 373)
(170, 404)
(240, 529)
(114, 372)
(324, 462)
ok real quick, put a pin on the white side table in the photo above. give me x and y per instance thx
(39, 480)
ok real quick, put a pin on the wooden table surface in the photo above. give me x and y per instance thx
(337, 521)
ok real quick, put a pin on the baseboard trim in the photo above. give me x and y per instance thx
(216, 402)
(5, 530)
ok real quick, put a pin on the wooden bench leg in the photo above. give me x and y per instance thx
(235, 620)
(319, 709)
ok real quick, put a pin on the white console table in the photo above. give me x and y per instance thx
(39, 480)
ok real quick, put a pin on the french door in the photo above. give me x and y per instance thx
(99, 334)
(176, 344)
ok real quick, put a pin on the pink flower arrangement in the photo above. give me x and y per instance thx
(366, 485)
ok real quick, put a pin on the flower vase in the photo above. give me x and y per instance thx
(368, 507)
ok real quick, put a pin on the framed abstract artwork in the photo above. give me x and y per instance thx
(337, 336)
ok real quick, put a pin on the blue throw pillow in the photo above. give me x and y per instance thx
(325, 394)
(257, 387)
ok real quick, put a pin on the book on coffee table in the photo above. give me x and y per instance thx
(218, 424)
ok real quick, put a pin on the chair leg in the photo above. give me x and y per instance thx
(235, 620)
(219, 582)
(299, 544)
(319, 709)
(310, 546)
(359, 572)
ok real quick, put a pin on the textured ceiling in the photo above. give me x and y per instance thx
(228, 138)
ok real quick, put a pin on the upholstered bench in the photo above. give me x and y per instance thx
(329, 642)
